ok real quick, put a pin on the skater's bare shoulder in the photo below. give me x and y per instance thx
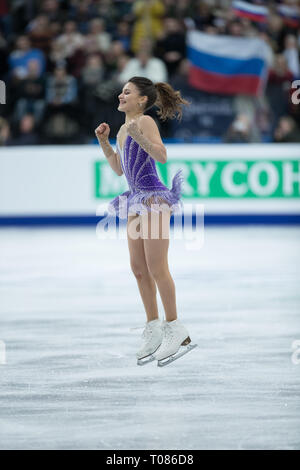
(149, 128)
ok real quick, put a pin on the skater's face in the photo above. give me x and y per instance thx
(130, 99)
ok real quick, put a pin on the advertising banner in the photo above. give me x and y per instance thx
(66, 184)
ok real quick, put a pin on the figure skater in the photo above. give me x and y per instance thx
(149, 204)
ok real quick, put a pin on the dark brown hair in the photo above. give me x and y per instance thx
(162, 95)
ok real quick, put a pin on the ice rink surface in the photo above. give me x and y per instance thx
(68, 303)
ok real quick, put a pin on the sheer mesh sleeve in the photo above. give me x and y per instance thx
(119, 158)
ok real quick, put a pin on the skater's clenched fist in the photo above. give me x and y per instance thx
(102, 131)
(132, 128)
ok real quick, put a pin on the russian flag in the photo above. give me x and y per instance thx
(290, 15)
(252, 12)
(227, 64)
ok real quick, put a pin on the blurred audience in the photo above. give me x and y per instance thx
(61, 88)
(122, 34)
(30, 93)
(4, 132)
(40, 33)
(240, 131)
(170, 46)
(64, 63)
(291, 54)
(145, 64)
(287, 130)
(278, 88)
(148, 21)
(26, 134)
(70, 40)
(21, 55)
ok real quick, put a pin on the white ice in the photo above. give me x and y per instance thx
(68, 303)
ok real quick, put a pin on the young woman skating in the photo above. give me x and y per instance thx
(149, 203)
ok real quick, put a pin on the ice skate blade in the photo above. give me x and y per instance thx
(145, 360)
(182, 351)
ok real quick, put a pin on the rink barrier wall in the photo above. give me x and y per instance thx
(212, 219)
(66, 185)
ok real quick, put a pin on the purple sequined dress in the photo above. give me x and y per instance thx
(146, 191)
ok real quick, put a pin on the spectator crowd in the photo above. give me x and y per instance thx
(64, 63)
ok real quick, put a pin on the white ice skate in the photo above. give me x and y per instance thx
(152, 336)
(176, 342)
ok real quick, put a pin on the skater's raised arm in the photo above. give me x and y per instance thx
(102, 133)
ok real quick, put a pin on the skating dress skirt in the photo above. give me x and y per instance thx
(146, 191)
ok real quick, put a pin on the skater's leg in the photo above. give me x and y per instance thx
(145, 281)
(156, 245)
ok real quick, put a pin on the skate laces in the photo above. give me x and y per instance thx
(148, 331)
(168, 333)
